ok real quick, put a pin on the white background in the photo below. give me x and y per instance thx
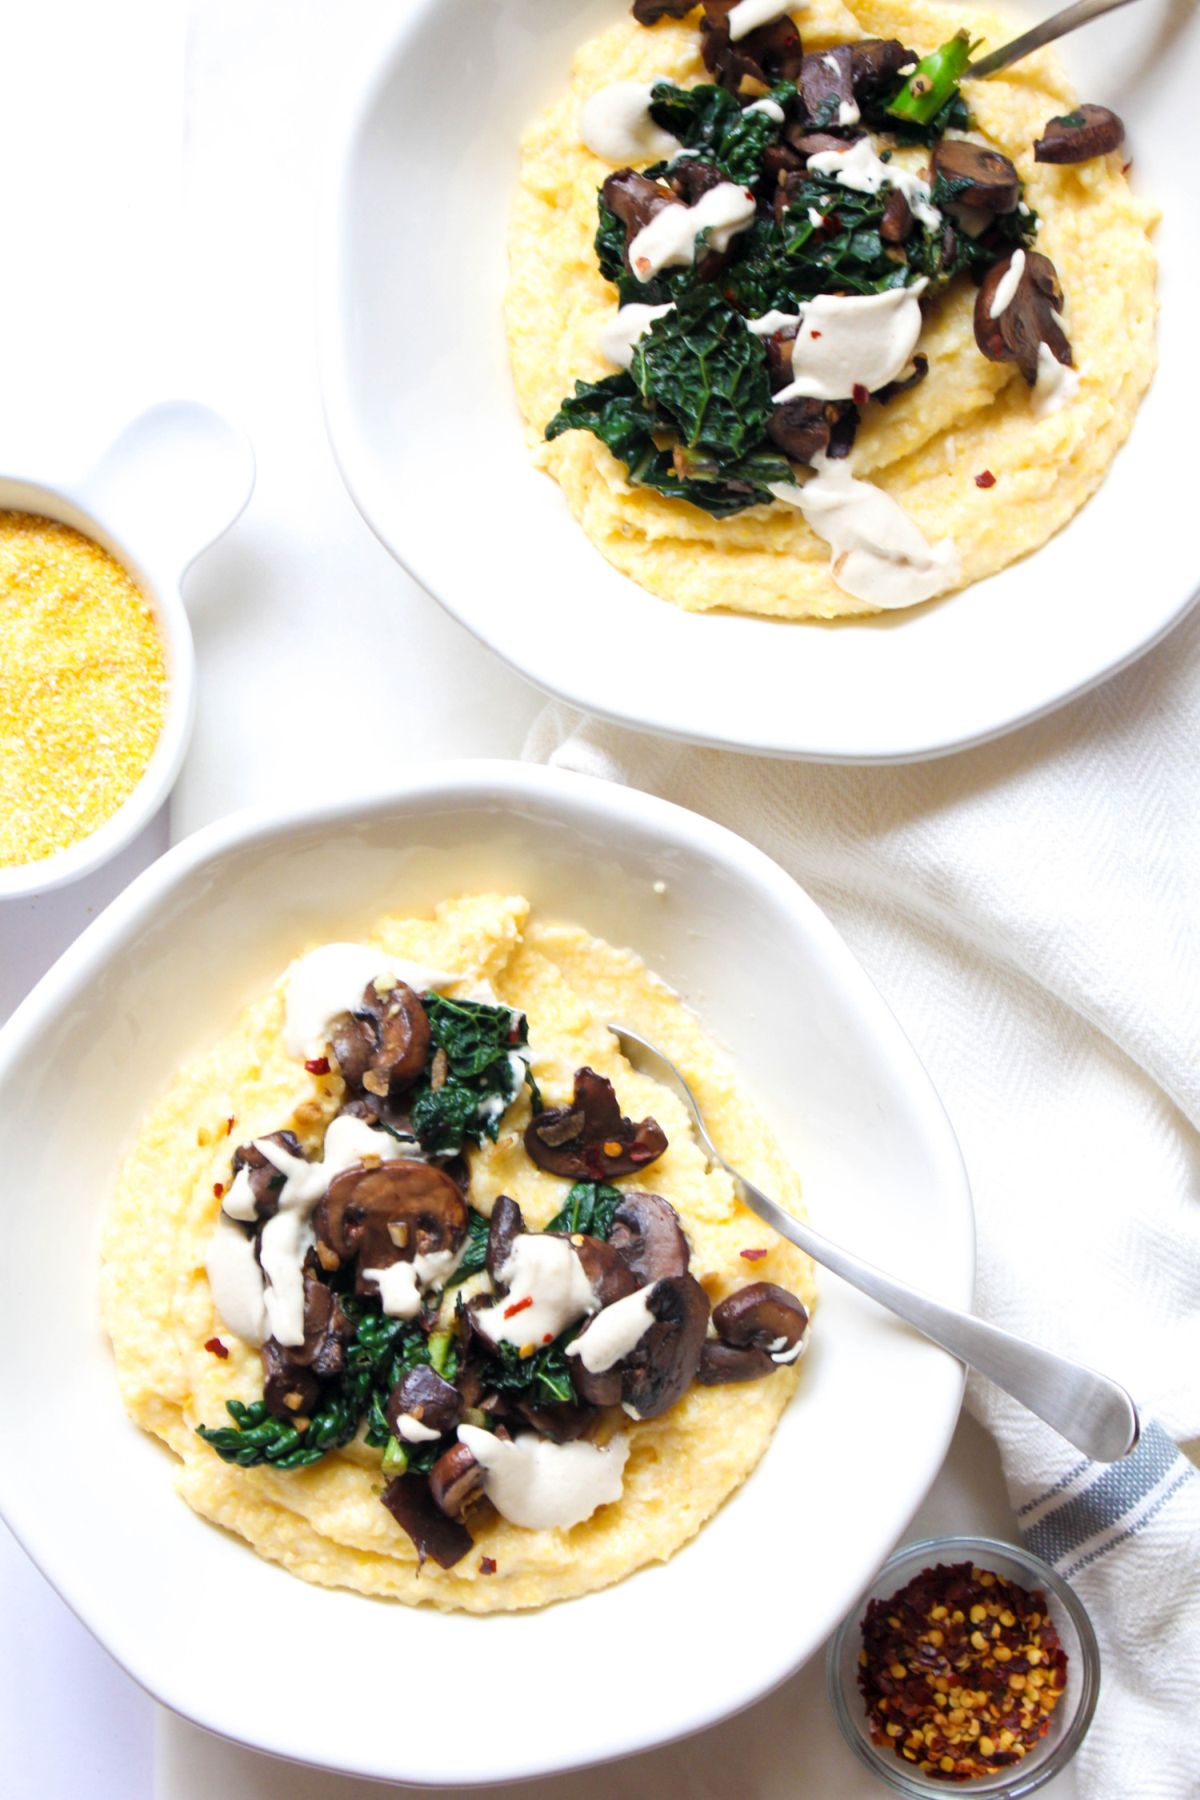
(164, 171)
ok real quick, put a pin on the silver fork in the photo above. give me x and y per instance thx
(1088, 1409)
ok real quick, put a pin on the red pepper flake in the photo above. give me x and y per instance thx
(859, 394)
(986, 480)
(961, 1671)
(1125, 167)
(549, 1338)
(752, 1255)
(216, 1348)
(814, 335)
(218, 1188)
(517, 1306)
(317, 1065)
(230, 1122)
(487, 1565)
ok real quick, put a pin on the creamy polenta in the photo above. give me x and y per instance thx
(970, 418)
(178, 1362)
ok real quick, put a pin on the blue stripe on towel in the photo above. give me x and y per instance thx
(1107, 1500)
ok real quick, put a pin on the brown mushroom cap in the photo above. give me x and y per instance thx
(759, 1316)
(804, 428)
(411, 1504)
(876, 61)
(1027, 321)
(423, 1395)
(806, 142)
(387, 1215)
(454, 1479)
(982, 177)
(610, 1276)
(769, 54)
(383, 1045)
(562, 1424)
(826, 84)
(1078, 136)
(721, 1363)
(647, 1236)
(292, 1373)
(659, 1369)
(506, 1226)
(589, 1140)
(897, 221)
(264, 1178)
(635, 200)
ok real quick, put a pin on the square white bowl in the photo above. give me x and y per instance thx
(425, 426)
(220, 1635)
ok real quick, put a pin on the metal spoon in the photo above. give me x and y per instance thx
(1089, 1410)
(1056, 26)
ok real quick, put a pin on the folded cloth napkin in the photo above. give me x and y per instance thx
(1028, 909)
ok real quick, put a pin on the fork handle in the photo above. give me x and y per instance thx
(1091, 1411)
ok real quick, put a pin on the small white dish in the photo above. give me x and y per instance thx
(200, 1621)
(176, 478)
(425, 426)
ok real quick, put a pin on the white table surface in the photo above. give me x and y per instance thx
(161, 237)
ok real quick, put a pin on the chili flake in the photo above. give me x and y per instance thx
(752, 1255)
(317, 1065)
(985, 479)
(217, 1348)
(518, 1306)
(487, 1565)
(218, 1188)
(859, 394)
(961, 1671)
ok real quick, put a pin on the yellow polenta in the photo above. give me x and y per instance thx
(926, 449)
(325, 1522)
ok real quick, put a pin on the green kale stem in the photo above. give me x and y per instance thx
(933, 81)
(395, 1457)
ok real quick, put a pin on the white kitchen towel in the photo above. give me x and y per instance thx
(1028, 909)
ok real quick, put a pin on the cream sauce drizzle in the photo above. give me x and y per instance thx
(413, 1431)
(547, 1291)
(857, 340)
(620, 335)
(879, 553)
(861, 169)
(669, 240)
(402, 1284)
(237, 1282)
(1057, 383)
(331, 980)
(1006, 287)
(766, 105)
(614, 1332)
(748, 15)
(615, 124)
(544, 1486)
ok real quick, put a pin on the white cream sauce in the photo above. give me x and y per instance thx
(779, 1352)
(860, 168)
(402, 1285)
(1057, 384)
(237, 1282)
(856, 340)
(771, 107)
(616, 126)
(614, 1332)
(1006, 287)
(669, 240)
(547, 1291)
(748, 15)
(331, 979)
(768, 323)
(413, 1431)
(543, 1486)
(879, 553)
(620, 335)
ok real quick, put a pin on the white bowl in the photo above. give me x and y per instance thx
(176, 478)
(192, 1613)
(425, 427)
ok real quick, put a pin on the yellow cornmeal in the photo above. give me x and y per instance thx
(326, 1522)
(83, 686)
(967, 417)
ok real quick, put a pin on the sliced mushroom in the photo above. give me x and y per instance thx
(875, 62)
(646, 1235)
(292, 1373)
(454, 1479)
(780, 160)
(981, 177)
(649, 12)
(806, 142)
(659, 1369)
(635, 200)
(901, 385)
(804, 428)
(1030, 319)
(721, 1363)
(387, 1215)
(507, 1225)
(761, 1316)
(1078, 136)
(383, 1045)
(264, 1178)
(423, 1395)
(770, 54)
(610, 1276)
(826, 86)
(897, 221)
(562, 1424)
(411, 1504)
(590, 1140)
(691, 179)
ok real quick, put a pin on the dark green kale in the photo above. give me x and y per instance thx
(589, 1207)
(544, 1379)
(710, 120)
(480, 1079)
(475, 1254)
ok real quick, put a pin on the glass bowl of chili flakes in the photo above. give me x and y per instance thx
(968, 1663)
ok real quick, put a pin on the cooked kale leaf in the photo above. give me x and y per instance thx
(704, 372)
(544, 1379)
(481, 1079)
(475, 1254)
(589, 1207)
(711, 120)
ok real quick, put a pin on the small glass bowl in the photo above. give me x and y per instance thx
(1071, 1717)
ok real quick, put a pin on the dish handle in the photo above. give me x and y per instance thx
(170, 485)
